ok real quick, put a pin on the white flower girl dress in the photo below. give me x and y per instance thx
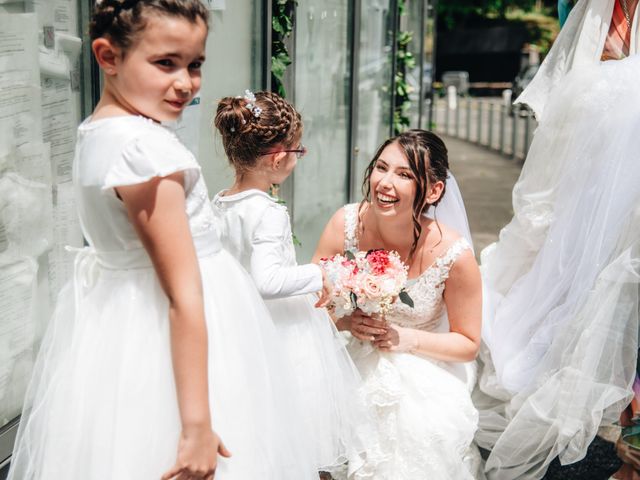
(102, 402)
(257, 231)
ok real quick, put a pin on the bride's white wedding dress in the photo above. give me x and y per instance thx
(422, 407)
(561, 284)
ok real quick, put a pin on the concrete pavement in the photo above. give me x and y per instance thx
(486, 180)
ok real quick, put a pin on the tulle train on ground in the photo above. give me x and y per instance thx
(561, 284)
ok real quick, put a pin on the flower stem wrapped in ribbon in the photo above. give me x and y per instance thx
(370, 281)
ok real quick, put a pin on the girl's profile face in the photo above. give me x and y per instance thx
(393, 186)
(159, 75)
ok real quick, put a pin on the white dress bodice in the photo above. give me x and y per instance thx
(426, 290)
(121, 151)
(256, 230)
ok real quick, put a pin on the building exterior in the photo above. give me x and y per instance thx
(341, 79)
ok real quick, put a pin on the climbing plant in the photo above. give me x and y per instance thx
(281, 28)
(405, 61)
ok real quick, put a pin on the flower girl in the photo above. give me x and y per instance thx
(137, 365)
(261, 135)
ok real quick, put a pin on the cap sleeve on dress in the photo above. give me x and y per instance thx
(152, 154)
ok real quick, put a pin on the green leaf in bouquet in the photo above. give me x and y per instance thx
(405, 298)
(354, 300)
(349, 255)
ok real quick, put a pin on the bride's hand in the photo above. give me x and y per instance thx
(397, 339)
(362, 326)
(198, 452)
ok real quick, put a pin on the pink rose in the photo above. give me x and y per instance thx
(370, 287)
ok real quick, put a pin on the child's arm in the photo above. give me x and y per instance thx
(157, 211)
(271, 276)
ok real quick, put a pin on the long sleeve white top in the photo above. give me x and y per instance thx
(256, 230)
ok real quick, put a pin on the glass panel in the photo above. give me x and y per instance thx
(411, 22)
(322, 97)
(428, 63)
(374, 84)
(234, 63)
(39, 113)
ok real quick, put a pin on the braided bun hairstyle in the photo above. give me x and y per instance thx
(246, 136)
(122, 20)
(429, 162)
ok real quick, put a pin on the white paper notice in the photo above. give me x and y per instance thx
(66, 231)
(18, 331)
(26, 214)
(59, 126)
(32, 161)
(20, 113)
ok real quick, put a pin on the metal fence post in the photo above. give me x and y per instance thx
(490, 140)
(479, 129)
(468, 119)
(457, 120)
(503, 115)
(514, 134)
(446, 117)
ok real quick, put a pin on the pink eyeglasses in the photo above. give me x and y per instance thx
(300, 152)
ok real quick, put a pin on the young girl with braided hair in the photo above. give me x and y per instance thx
(137, 364)
(261, 135)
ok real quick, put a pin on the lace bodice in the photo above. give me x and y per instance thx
(426, 290)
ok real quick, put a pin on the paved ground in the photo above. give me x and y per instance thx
(486, 180)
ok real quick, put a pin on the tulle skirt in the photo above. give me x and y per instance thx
(327, 383)
(424, 417)
(561, 285)
(102, 402)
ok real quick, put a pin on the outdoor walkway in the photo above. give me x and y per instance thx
(486, 179)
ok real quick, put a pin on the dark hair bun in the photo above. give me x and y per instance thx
(250, 130)
(232, 116)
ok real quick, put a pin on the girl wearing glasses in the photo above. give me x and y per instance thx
(261, 136)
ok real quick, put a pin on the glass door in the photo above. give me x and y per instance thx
(234, 63)
(374, 85)
(322, 95)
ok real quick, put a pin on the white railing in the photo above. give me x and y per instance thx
(489, 122)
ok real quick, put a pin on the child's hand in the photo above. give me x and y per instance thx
(197, 455)
(325, 293)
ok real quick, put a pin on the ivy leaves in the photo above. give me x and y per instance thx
(282, 26)
(405, 61)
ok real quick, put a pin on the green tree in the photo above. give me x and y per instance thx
(459, 12)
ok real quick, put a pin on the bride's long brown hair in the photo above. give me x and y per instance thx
(429, 162)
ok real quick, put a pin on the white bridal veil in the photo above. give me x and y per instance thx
(451, 211)
(561, 284)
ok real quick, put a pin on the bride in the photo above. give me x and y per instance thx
(414, 362)
(560, 321)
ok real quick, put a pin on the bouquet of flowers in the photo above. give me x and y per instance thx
(370, 281)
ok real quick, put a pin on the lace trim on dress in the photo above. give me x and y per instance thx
(351, 227)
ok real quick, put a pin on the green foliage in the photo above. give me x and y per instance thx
(455, 14)
(404, 61)
(282, 26)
